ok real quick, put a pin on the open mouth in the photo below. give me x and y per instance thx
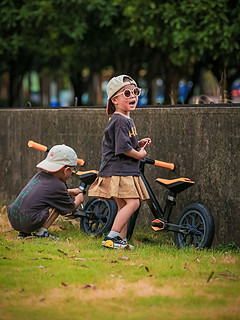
(132, 102)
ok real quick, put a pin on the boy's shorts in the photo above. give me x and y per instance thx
(28, 221)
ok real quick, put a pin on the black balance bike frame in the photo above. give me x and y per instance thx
(163, 214)
(195, 225)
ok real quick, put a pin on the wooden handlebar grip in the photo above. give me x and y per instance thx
(37, 146)
(162, 164)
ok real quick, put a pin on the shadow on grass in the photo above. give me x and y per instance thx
(149, 237)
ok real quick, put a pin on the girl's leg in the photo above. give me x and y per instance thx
(123, 233)
(121, 203)
(125, 212)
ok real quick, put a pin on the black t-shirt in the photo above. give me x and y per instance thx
(31, 208)
(120, 136)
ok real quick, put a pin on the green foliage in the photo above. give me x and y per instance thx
(228, 247)
(186, 28)
(126, 35)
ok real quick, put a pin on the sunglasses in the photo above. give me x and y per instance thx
(127, 92)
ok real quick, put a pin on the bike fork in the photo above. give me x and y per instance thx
(152, 202)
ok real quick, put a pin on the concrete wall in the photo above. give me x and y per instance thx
(202, 141)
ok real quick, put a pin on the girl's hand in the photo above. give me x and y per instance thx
(145, 142)
(142, 153)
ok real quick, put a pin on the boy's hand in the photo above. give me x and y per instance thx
(74, 192)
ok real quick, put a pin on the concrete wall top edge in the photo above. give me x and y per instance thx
(186, 108)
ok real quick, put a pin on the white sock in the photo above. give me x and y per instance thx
(113, 234)
(40, 231)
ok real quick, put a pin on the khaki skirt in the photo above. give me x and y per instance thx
(123, 187)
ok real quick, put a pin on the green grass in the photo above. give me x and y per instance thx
(75, 278)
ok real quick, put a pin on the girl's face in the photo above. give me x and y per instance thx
(125, 105)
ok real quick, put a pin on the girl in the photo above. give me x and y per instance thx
(119, 175)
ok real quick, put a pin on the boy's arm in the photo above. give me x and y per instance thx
(74, 192)
(78, 194)
(78, 199)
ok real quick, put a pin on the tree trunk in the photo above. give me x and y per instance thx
(78, 87)
(195, 80)
(220, 72)
(15, 90)
(170, 83)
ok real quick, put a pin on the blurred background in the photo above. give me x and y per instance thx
(57, 53)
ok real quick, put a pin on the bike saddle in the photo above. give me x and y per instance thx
(176, 185)
(87, 176)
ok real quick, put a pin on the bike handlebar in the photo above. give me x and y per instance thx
(159, 163)
(41, 147)
(162, 164)
(38, 146)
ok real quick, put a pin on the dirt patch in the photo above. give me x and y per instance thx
(115, 288)
(229, 259)
(144, 288)
(121, 289)
(5, 225)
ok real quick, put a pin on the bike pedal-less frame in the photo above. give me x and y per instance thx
(195, 224)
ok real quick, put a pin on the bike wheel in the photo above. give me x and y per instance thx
(200, 223)
(105, 212)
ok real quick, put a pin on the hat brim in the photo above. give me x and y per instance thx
(110, 108)
(50, 166)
